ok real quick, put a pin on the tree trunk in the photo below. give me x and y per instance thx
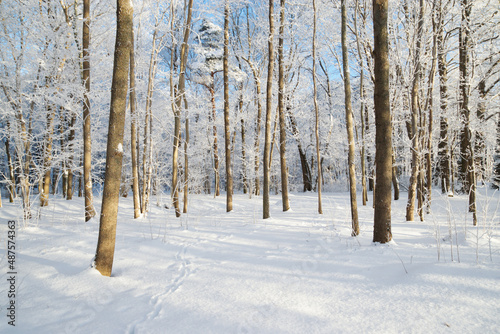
(443, 145)
(47, 156)
(186, 158)
(349, 124)
(269, 100)
(316, 109)
(12, 179)
(281, 111)
(362, 107)
(133, 132)
(383, 132)
(114, 150)
(257, 133)
(306, 171)
(87, 154)
(71, 149)
(227, 127)
(179, 96)
(415, 151)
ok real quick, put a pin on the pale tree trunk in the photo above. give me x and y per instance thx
(133, 132)
(227, 127)
(147, 162)
(114, 150)
(316, 109)
(429, 105)
(177, 106)
(349, 124)
(269, 100)
(186, 157)
(383, 132)
(257, 132)
(243, 142)
(215, 146)
(362, 107)
(87, 154)
(71, 149)
(281, 111)
(415, 150)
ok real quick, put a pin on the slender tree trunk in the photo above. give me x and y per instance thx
(12, 178)
(443, 145)
(177, 109)
(133, 132)
(415, 138)
(147, 163)
(269, 100)
(464, 161)
(281, 111)
(87, 153)
(186, 158)
(349, 123)
(429, 106)
(71, 149)
(47, 155)
(306, 171)
(246, 187)
(215, 146)
(257, 133)
(316, 109)
(383, 135)
(362, 107)
(114, 151)
(227, 126)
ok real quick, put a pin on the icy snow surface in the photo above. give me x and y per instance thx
(297, 272)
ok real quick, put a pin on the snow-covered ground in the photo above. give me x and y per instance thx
(297, 272)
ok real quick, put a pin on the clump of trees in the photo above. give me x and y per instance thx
(372, 97)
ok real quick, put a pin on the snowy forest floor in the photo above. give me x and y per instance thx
(297, 272)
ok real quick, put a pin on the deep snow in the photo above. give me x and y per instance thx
(297, 272)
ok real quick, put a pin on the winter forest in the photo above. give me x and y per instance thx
(236, 138)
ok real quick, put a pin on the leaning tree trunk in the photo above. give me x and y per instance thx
(349, 123)
(114, 150)
(383, 132)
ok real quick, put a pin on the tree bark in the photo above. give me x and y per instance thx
(179, 96)
(362, 107)
(383, 132)
(415, 137)
(281, 111)
(133, 132)
(443, 145)
(349, 123)
(269, 100)
(114, 150)
(87, 142)
(227, 127)
(316, 110)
